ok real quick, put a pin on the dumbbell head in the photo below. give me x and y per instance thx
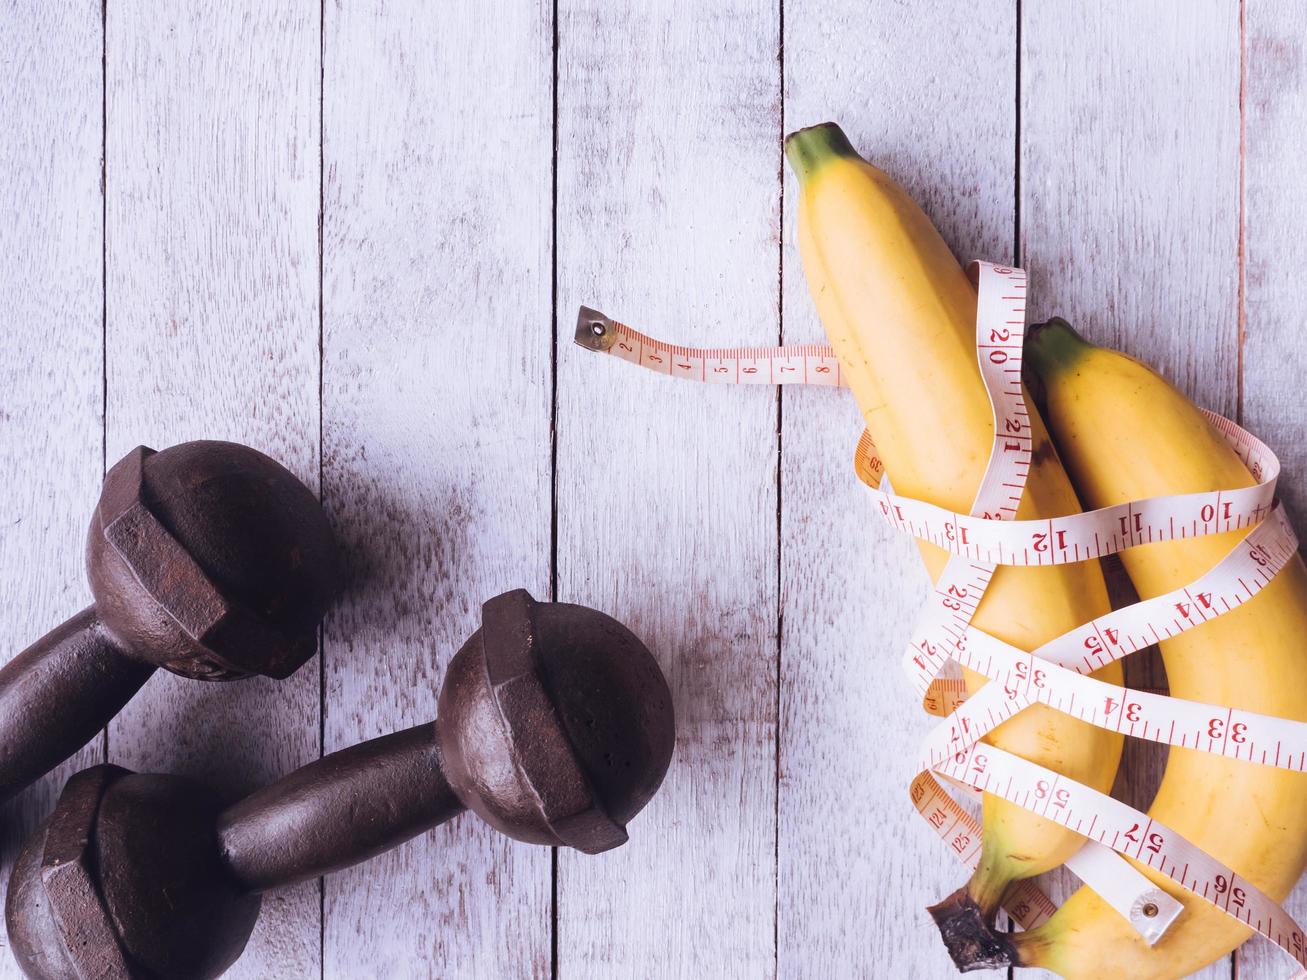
(556, 723)
(125, 881)
(212, 560)
(555, 726)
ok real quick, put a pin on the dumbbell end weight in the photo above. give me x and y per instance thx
(211, 560)
(208, 559)
(123, 882)
(555, 726)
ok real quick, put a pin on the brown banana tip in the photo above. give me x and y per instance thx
(969, 939)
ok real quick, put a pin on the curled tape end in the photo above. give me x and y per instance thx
(1152, 914)
(594, 331)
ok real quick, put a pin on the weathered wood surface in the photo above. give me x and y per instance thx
(1142, 161)
(212, 332)
(668, 211)
(857, 867)
(51, 380)
(1274, 292)
(436, 434)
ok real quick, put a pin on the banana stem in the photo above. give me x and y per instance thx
(971, 941)
(808, 150)
(1054, 347)
(987, 886)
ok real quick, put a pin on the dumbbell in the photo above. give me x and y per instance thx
(207, 559)
(554, 725)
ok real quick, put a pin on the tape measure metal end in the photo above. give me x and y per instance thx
(594, 331)
(1152, 914)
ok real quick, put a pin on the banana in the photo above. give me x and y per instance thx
(1124, 434)
(900, 313)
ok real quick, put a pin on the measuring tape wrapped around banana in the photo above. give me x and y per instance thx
(1034, 720)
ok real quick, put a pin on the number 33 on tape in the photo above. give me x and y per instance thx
(944, 640)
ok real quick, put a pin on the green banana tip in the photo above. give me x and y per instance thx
(1053, 346)
(810, 148)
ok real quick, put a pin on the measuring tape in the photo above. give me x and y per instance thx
(939, 680)
(1055, 673)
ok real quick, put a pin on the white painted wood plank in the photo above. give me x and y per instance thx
(1275, 296)
(212, 305)
(1130, 181)
(1129, 141)
(437, 459)
(668, 206)
(51, 426)
(926, 91)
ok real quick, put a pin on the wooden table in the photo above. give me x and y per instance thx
(356, 238)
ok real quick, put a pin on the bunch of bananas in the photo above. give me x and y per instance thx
(900, 313)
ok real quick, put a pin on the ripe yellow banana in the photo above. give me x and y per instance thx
(900, 313)
(1124, 434)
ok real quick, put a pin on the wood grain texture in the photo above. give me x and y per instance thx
(1129, 209)
(1275, 295)
(51, 293)
(1130, 182)
(436, 400)
(925, 91)
(668, 207)
(783, 843)
(212, 332)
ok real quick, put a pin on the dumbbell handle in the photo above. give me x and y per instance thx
(58, 693)
(342, 809)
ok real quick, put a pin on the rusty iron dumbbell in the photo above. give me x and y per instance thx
(555, 726)
(207, 559)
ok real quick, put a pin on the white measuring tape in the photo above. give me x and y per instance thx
(1055, 673)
